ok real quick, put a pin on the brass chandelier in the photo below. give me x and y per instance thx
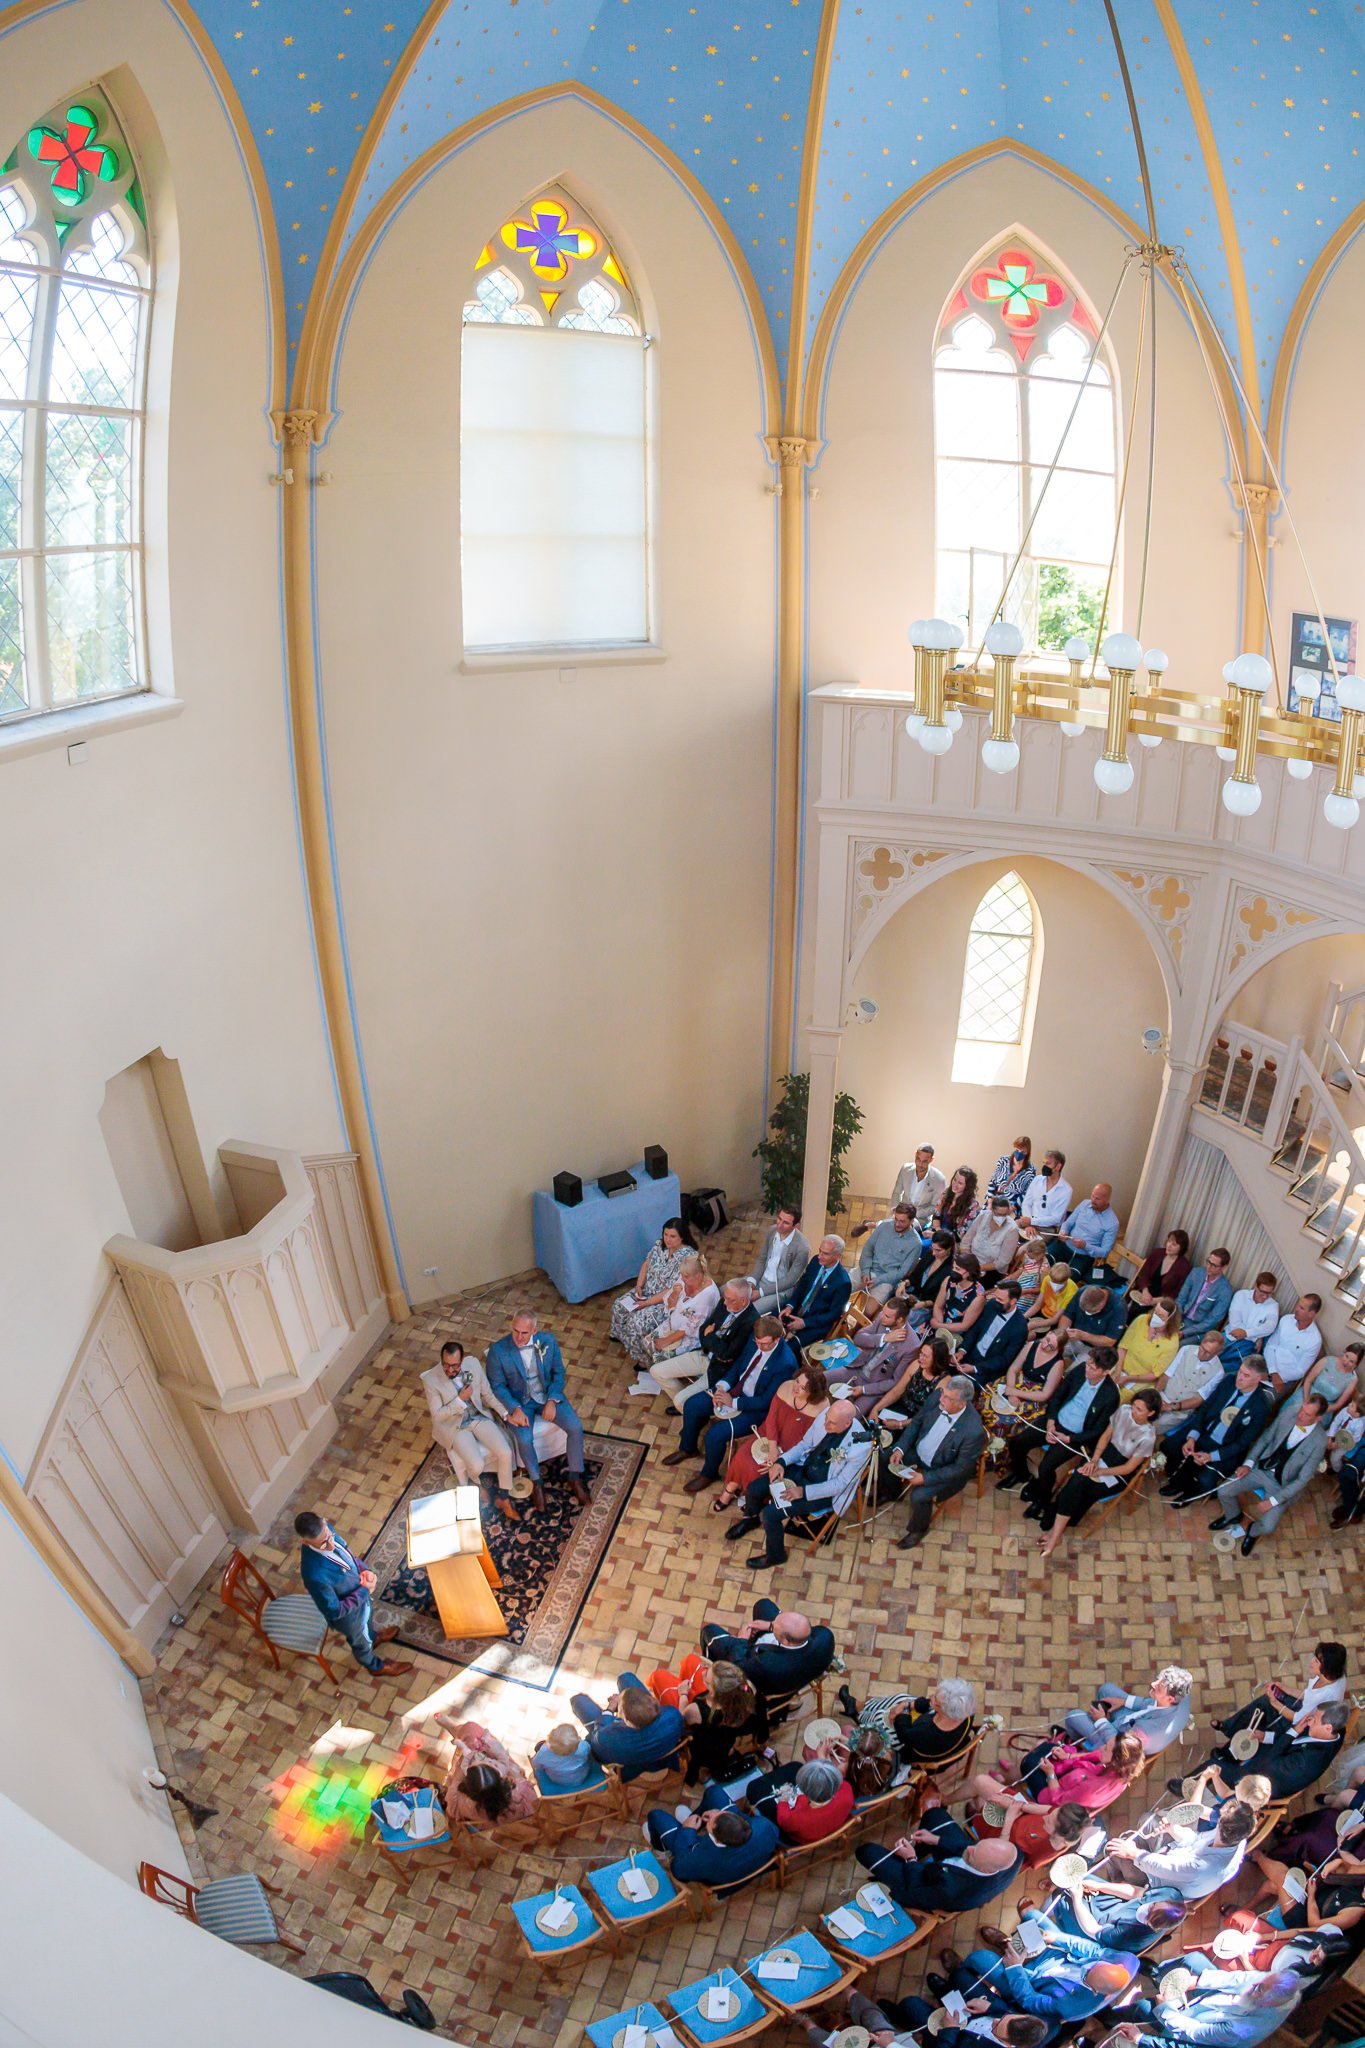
(1115, 683)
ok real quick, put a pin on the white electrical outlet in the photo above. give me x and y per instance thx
(430, 1272)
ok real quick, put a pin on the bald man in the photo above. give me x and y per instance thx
(1071, 1980)
(1089, 1235)
(938, 1868)
(777, 1651)
(800, 1488)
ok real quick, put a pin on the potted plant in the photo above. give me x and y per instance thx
(783, 1151)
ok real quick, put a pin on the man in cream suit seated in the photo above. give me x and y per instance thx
(464, 1422)
(782, 1260)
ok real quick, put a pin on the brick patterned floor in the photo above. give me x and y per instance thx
(975, 1600)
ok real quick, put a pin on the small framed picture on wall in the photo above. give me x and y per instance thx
(1312, 687)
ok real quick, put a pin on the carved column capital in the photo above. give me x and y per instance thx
(789, 451)
(1260, 499)
(296, 428)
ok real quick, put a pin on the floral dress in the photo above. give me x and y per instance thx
(633, 1326)
(475, 1745)
(1028, 1406)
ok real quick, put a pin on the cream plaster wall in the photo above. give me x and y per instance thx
(872, 529)
(1090, 1088)
(556, 890)
(153, 894)
(1288, 996)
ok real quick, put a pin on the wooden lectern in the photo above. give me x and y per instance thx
(445, 1537)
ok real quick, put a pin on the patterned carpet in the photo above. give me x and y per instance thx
(548, 1564)
(286, 1758)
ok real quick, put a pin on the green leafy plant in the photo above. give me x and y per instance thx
(1067, 604)
(783, 1151)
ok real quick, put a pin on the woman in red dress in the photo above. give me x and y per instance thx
(790, 1414)
(1039, 1837)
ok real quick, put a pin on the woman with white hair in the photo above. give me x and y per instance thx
(692, 1297)
(808, 1801)
(927, 1729)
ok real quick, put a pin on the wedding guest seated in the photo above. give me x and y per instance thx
(791, 1411)
(778, 1652)
(1350, 1472)
(1014, 1173)
(935, 1455)
(887, 1351)
(1118, 1458)
(938, 1868)
(1219, 2014)
(1074, 1421)
(961, 1299)
(1206, 1296)
(728, 1330)
(1156, 1716)
(635, 1314)
(1336, 1379)
(931, 1365)
(1028, 1386)
(782, 1258)
(1070, 1981)
(1134, 1923)
(1054, 1298)
(892, 2019)
(1277, 1703)
(808, 1801)
(714, 1421)
(994, 1339)
(1163, 1272)
(1253, 1315)
(993, 1239)
(483, 1785)
(1195, 1864)
(921, 1184)
(920, 1290)
(927, 1729)
(1030, 1270)
(1094, 1315)
(565, 1757)
(1092, 1778)
(1194, 1372)
(1293, 1758)
(632, 1730)
(870, 1760)
(1295, 1344)
(1274, 1472)
(890, 1255)
(960, 1208)
(1039, 1833)
(820, 1295)
(1147, 1347)
(1220, 1433)
(816, 1478)
(717, 1845)
(1047, 1198)
(728, 1712)
(1089, 1235)
(672, 1351)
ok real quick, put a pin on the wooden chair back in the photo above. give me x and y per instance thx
(167, 1889)
(245, 1590)
(1125, 1497)
(702, 1898)
(803, 1855)
(653, 1780)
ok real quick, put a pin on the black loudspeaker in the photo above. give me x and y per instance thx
(568, 1189)
(617, 1183)
(656, 1161)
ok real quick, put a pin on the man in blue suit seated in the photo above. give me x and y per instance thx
(1206, 1297)
(821, 1294)
(526, 1372)
(632, 1730)
(734, 1408)
(1134, 1924)
(716, 1845)
(340, 1587)
(1223, 2009)
(1220, 1433)
(891, 2017)
(938, 1868)
(1072, 1979)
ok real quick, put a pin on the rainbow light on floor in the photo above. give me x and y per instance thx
(320, 1808)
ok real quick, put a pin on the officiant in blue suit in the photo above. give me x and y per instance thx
(526, 1371)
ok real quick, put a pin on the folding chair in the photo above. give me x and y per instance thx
(608, 2033)
(804, 1855)
(708, 1895)
(236, 1909)
(397, 1841)
(820, 1974)
(623, 1913)
(577, 1934)
(287, 1621)
(751, 2015)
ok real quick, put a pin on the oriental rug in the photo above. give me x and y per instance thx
(548, 1563)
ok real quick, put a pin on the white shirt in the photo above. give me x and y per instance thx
(1046, 1205)
(1190, 1376)
(774, 1260)
(692, 1311)
(934, 1436)
(1291, 1350)
(1318, 1693)
(924, 1195)
(1257, 1318)
(750, 1379)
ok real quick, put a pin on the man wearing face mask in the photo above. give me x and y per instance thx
(1047, 1198)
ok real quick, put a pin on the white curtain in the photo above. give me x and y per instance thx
(1207, 1200)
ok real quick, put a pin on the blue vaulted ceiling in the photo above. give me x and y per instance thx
(726, 86)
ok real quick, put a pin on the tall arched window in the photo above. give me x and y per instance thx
(75, 290)
(554, 440)
(999, 987)
(1012, 347)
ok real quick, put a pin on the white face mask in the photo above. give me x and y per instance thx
(1157, 1322)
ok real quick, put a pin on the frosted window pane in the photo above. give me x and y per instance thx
(104, 256)
(999, 953)
(11, 457)
(13, 694)
(1076, 520)
(1089, 442)
(978, 505)
(89, 488)
(597, 311)
(976, 416)
(18, 296)
(94, 348)
(91, 646)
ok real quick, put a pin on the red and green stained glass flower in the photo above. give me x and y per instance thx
(547, 241)
(75, 155)
(1013, 288)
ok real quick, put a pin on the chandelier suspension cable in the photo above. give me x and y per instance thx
(1270, 463)
(1081, 388)
(1133, 121)
(1182, 282)
(1151, 469)
(1127, 460)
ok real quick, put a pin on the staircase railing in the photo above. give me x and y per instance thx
(1344, 1023)
(1244, 1077)
(1326, 1165)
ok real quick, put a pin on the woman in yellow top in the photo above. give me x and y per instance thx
(1053, 1295)
(1147, 1347)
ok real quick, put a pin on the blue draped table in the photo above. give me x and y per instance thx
(602, 1240)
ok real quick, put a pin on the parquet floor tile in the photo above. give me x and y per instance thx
(974, 1600)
